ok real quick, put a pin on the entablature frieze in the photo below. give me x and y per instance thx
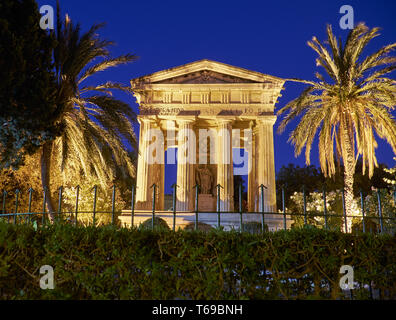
(208, 110)
(203, 96)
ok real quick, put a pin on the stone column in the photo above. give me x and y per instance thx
(225, 172)
(148, 171)
(159, 172)
(252, 186)
(186, 158)
(265, 163)
(142, 187)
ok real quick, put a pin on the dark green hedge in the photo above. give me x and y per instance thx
(109, 263)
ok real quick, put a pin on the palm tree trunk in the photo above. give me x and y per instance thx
(348, 155)
(45, 163)
(348, 188)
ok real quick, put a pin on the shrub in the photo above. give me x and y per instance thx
(111, 263)
(370, 226)
(253, 227)
(201, 226)
(159, 223)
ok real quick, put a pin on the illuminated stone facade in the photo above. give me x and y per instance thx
(206, 109)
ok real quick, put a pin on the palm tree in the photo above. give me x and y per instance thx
(96, 126)
(348, 108)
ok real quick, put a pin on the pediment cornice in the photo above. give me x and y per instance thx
(205, 72)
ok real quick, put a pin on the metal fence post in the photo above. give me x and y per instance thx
(325, 207)
(113, 205)
(95, 189)
(362, 206)
(154, 186)
(30, 204)
(262, 206)
(133, 206)
(305, 206)
(344, 211)
(196, 206)
(240, 207)
(380, 210)
(218, 205)
(284, 209)
(4, 204)
(17, 192)
(174, 187)
(76, 209)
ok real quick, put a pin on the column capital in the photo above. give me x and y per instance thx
(224, 121)
(180, 121)
(267, 120)
(146, 120)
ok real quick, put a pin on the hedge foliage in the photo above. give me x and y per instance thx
(111, 263)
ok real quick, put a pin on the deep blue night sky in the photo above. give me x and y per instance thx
(265, 36)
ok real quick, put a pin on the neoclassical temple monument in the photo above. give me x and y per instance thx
(204, 110)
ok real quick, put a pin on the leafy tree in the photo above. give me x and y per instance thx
(96, 125)
(391, 179)
(349, 108)
(292, 178)
(23, 179)
(28, 110)
(27, 176)
(315, 209)
(388, 210)
(362, 182)
(103, 205)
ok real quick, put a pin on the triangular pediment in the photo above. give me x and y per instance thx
(205, 76)
(206, 71)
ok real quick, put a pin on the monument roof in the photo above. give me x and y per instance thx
(206, 71)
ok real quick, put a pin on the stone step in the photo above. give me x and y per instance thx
(227, 220)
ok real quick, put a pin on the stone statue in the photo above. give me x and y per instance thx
(156, 175)
(204, 178)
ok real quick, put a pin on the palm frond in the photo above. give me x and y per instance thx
(349, 111)
(108, 63)
(96, 126)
